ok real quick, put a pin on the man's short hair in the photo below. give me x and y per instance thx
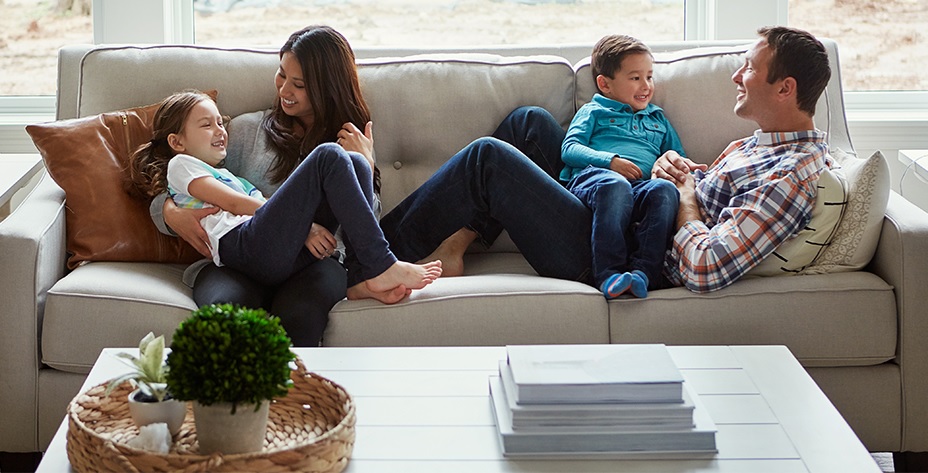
(609, 52)
(798, 54)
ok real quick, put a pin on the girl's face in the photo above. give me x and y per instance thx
(633, 83)
(204, 134)
(291, 90)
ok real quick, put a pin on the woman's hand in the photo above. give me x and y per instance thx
(186, 224)
(675, 168)
(320, 242)
(351, 138)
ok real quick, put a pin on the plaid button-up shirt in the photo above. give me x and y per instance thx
(758, 194)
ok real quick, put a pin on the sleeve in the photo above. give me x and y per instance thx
(576, 151)
(753, 225)
(156, 210)
(182, 170)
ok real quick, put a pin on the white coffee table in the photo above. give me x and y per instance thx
(428, 410)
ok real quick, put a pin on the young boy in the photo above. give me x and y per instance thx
(608, 152)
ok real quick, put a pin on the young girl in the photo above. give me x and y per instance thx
(270, 239)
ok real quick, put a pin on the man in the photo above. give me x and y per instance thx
(761, 190)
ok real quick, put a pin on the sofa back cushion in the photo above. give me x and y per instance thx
(426, 108)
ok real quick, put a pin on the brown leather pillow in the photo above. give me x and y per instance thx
(87, 157)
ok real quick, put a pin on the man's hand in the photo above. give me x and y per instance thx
(626, 168)
(689, 205)
(320, 242)
(351, 138)
(675, 168)
(186, 224)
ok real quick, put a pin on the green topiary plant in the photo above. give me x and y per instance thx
(229, 354)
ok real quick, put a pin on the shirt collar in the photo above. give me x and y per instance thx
(780, 137)
(623, 107)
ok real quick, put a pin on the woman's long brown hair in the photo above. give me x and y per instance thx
(331, 79)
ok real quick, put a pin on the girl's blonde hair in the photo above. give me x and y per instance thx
(148, 165)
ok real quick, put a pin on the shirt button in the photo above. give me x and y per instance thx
(612, 120)
(635, 127)
(397, 165)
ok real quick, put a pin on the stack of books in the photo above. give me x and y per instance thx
(623, 401)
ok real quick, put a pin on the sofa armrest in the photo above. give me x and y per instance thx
(901, 259)
(32, 258)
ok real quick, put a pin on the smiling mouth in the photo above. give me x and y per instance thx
(287, 102)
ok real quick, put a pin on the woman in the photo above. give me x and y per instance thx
(319, 101)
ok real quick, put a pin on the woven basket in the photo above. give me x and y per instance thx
(311, 429)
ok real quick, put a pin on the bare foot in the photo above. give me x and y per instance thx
(361, 291)
(409, 275)
(451, 252)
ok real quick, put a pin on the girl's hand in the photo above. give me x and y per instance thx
(626, 168)
(186, 224)
(320, 242)
(352, 139)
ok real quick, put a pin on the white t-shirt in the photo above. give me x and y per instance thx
(182, 170)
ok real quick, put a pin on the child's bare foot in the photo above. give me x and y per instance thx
(412, 276)
(361, 291)
(451, 252)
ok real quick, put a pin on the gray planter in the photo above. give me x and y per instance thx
(218, 430)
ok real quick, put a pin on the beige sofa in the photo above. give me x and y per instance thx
(861, 334)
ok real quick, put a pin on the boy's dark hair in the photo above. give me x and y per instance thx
(798, 54)
(610, 50)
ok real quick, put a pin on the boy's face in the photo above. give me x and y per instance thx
(632, 84)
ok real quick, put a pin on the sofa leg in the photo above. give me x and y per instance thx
(28, 461)
(910, 461)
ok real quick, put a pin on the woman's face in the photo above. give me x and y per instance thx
(291, 90)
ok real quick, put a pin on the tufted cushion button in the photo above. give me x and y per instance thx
(397, 164)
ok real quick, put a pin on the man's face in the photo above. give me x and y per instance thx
(756, 97)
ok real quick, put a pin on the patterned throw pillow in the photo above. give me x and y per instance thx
(859, 231)
(796, 254)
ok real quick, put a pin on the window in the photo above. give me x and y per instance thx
(440, 22)
(31, 32)
(882, 45)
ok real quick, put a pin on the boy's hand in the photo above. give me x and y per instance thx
(320, 242)
(626, 168)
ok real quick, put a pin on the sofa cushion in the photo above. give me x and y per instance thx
(846, 319)
(411, 145)
(499, 301)
(859, 231)
(87, 157)
(107, 304)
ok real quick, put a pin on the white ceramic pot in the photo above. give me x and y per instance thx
(218, 430)
(171, 412)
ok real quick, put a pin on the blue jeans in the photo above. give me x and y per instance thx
(489, 183)
(302, 301)
(633, 222)
(270, 247)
